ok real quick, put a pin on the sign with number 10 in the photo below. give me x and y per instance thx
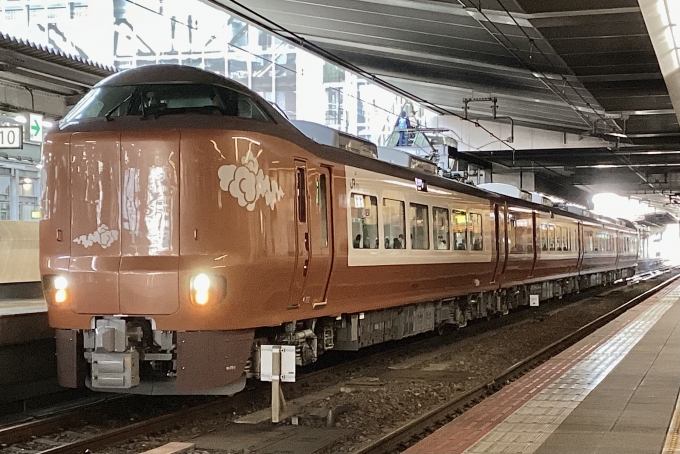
(11, 137)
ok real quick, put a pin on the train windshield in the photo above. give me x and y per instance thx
(154, 100)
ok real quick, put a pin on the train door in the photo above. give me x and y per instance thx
(581, 246)
(320, 235)
(506, 243)
(536, 240)
(298, 293)
(617, 245)
(499, 233)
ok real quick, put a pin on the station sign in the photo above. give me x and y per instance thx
(11, 137)
(35, 128)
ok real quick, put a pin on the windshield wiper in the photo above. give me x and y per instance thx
(110, 112)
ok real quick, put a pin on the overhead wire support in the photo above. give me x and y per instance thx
(517, 53)
(550, 62)
(603, 118)
(273, 27)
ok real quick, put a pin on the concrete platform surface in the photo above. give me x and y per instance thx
(615, 391)
(22, 306)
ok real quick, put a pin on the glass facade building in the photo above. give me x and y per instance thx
(127, 34)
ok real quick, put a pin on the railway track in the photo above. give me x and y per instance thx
(401, 438)
(423, 425)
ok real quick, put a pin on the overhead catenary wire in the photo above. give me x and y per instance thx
(622, 159)
(263, 58)
(267, 24)
(564, 78)
(544, 79)
(304, 44)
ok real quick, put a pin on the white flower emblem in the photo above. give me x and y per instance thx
(247, 183)
(102, 236)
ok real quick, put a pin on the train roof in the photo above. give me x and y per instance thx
(171, 74)
(159, 74)
(342, 156)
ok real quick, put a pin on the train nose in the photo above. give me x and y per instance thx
(125, 217)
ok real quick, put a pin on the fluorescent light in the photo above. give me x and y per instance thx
(47, 124)
(617, 134)
(20, 119)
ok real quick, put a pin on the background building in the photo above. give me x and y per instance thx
(126, 34)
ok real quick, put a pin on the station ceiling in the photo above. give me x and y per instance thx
(585, 66)
(36, 67)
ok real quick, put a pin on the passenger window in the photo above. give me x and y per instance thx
(459, 227)
(440, 228)
(301, 195)
(364, 210)
(551, 237)
(569, 239)
(558, 238)
(420, 231)
(544, 236)
(394, 224)
(322, 204)
(476, 239)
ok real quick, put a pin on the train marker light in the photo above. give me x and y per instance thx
(60, 283)
(200, 289)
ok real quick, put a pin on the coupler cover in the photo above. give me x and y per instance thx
(115, 370)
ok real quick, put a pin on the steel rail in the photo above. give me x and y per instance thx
(23, 431)
(429, 422)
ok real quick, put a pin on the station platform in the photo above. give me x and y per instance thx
(28, 368)
(22, 306)
(614, 392)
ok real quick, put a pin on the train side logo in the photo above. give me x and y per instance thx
(247, 183)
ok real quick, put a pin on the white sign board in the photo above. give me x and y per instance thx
(11, 137)
(533, 300)
(35, 128)
(287, 363)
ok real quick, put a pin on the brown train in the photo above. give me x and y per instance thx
(186, 222)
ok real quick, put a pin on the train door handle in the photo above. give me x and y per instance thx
(60, 235)
(305, 268)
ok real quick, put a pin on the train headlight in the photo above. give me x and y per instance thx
(200, 289)
(57, 286)
(60, 283)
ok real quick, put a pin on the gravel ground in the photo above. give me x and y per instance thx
(385, 391)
